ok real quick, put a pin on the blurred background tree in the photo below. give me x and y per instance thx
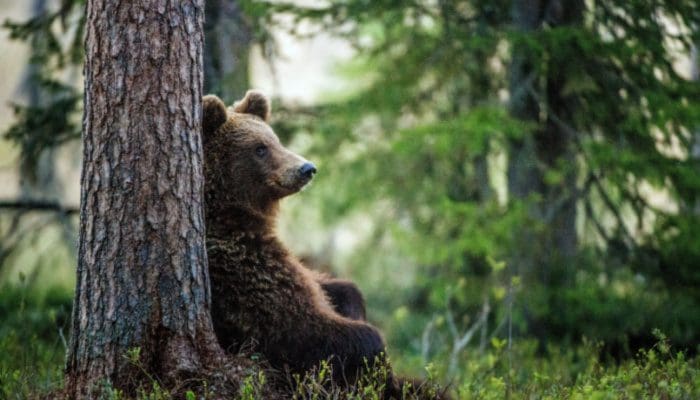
(49, 115)
(46, 119)
(497, 169)
(534, 154)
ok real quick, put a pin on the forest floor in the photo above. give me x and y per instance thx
(33, 331)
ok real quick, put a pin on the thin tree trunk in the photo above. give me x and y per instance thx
(550, 147)
(142, 277)
(556, 150)
(227, 39)
(37, 181)
(524, 176)
(538, 99)
(695, 76)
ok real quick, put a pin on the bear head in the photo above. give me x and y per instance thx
(246, 168)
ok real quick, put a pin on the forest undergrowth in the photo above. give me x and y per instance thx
(32, 350)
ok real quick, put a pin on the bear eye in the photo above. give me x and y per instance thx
(261, 151)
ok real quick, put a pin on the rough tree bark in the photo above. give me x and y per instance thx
(142, 280)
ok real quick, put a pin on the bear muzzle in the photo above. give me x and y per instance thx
(295, 178)
(307, 170)
(304, 174)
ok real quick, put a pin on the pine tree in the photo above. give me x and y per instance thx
(578, 117)
(142, 297)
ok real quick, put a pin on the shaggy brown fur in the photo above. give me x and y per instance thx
(346, 298)
(260, 292)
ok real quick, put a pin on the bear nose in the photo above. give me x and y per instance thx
(307, 170)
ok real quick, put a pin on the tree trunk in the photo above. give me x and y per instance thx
(544, 250)
(37, 181)
(524, 176)
(550, 147)
(556, 146)
(227, 39)
(695, 77)
(142, 279)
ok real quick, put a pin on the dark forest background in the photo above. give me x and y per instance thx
(517, 182)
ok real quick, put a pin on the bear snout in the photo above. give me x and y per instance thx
(307, 170)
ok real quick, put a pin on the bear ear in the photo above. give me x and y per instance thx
(254, 103)
(213, 114)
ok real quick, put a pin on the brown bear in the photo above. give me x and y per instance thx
(261, 293)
